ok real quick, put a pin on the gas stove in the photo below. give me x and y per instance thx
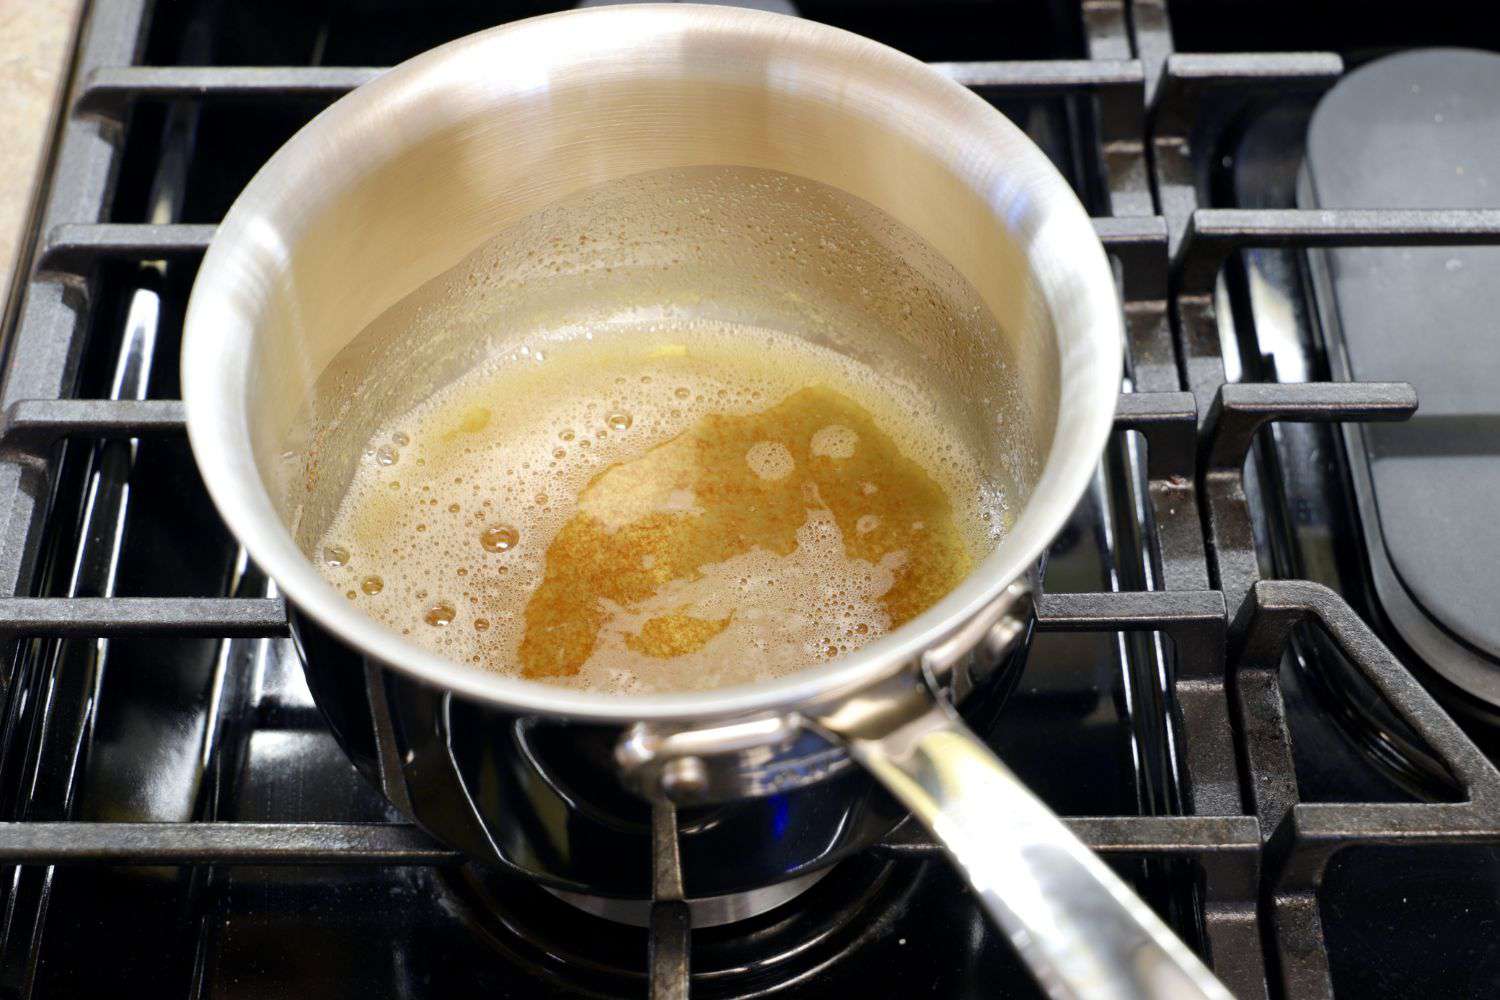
(1246, 666)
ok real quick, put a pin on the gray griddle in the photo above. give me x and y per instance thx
(1421, 130)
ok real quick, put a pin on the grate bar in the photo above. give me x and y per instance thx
(1130, 232)
(389, 843)
(74, 247)
(1340, 825)
(1120, 232)
(669, 951)
(220, 843)
(1238, 412)
(110, 90)
(108, 617)
(1189, 836)
(36, 423)
(1243, 408)
(1213, 233)
(1187, 76)
(1169, 422)
(1140, 244)
(1167, 834)
(1109, 611)
(1238, 68)
(1044, 75)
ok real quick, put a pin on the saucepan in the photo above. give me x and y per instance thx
(770, 783)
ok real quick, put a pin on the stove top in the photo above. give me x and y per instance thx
(1217, 696)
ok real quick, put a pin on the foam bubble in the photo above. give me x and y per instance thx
(770, 460)
(499, 538)
(834, 441)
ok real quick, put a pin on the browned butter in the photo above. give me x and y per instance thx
(666, 508)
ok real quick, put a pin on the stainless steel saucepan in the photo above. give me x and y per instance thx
(397, 183)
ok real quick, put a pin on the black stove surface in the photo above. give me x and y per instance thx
(1162, 706)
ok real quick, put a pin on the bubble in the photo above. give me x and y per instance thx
(559, 453)
(770, 460)
(500, 538)
(387, 455)
(372, 585)
(440, 614)
(682, 392)
(618, 420)
(834, 441)
(566, 434)
(350, 594)
(454, 508)
(335, 555)
(400, 438)
(480, 624)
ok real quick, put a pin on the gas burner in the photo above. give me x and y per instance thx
(709, 911)
(840, 912)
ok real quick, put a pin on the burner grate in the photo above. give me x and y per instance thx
(1211, 720)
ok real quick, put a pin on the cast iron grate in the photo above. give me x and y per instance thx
(1217, 733)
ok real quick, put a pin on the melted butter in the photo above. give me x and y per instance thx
(671, 508)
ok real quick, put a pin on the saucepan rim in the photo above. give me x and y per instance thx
(1066, 258)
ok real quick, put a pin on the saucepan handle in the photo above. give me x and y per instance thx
(1080, 929)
